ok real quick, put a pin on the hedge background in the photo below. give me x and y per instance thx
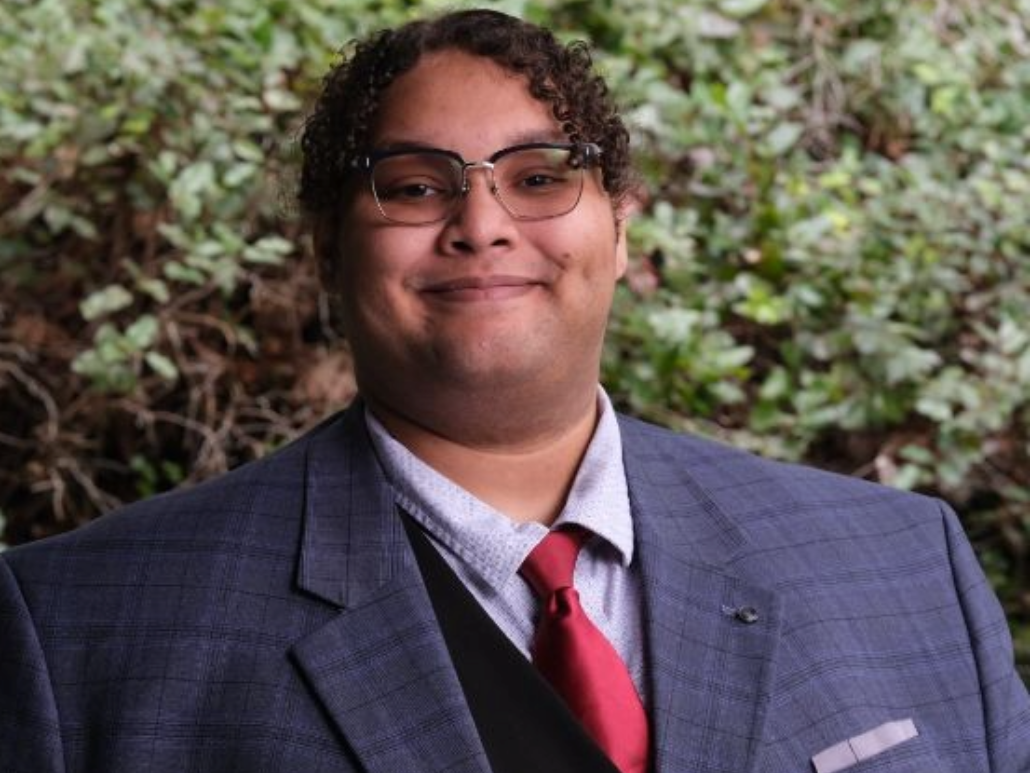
(832, 265)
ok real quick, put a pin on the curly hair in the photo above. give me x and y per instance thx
(338, 129)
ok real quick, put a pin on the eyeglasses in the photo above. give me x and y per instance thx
(535, 181)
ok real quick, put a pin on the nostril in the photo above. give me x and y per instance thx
(461, 246)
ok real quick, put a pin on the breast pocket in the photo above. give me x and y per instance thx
(894, 746)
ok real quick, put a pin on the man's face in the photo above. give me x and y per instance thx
(479, 301)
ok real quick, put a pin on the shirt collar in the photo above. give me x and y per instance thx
(599, 498)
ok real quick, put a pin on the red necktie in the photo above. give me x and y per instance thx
(576, 658)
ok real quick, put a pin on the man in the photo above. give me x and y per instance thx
(382, 595)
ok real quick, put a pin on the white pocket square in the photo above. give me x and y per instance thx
(861, 747)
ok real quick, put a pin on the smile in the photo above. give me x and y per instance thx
(489, 288)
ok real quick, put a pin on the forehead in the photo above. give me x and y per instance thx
(454, 100)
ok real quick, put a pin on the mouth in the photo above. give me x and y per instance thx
(481, 288)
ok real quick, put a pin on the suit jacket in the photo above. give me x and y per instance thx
(275, 619)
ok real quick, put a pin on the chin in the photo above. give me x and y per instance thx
(511, 355)
(497, 376)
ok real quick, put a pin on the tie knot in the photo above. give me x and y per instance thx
(550, 565)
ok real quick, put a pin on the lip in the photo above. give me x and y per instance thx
(481, 288)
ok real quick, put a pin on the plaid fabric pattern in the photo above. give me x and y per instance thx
(275, 620)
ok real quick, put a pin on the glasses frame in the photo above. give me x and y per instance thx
(583, 156)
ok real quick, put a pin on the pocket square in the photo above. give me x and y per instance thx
(861, 747)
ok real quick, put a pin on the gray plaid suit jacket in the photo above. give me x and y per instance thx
(275, 620)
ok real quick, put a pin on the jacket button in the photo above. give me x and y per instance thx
(747, 615)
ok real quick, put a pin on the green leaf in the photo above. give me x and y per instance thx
(191, 187)
(162, 365)
(155, 288)
(783, 137)
(106, 301)
(716, 26)
(269, 250)
(143, 332)
(741, 8)
(178, 272)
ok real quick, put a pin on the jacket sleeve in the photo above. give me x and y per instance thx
(1006, 705)
(30, 736)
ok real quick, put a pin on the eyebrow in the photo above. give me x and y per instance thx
(522, 138)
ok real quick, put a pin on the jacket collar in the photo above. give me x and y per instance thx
(352, 542)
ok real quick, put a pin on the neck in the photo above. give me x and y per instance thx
(525, 474)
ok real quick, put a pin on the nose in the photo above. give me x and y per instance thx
(480, 223)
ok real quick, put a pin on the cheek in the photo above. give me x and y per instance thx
(359, 276)
(375, 269)
(591, 245)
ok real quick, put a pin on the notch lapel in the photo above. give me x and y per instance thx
(711, 634)
(381, 668)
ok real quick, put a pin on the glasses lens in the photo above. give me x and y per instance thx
(416, 188)
(538, 182)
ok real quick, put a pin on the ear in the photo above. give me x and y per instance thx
(624, 211)
(621, 249)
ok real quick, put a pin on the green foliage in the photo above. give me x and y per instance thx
(831, 262)
(148, 255)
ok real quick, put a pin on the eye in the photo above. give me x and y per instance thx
(414, 178)
(540, 180)
(411, 191)
(534, 172)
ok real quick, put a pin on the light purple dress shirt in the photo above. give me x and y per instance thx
(485, 548)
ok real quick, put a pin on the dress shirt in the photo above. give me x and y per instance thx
(485, 548)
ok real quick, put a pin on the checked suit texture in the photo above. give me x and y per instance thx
(275, 620)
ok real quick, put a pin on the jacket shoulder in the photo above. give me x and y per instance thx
(258, 502)
(757, 489)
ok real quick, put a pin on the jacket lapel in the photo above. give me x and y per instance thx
(711, 635)
(380, 668)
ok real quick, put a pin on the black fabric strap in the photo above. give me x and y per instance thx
(524, 725)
